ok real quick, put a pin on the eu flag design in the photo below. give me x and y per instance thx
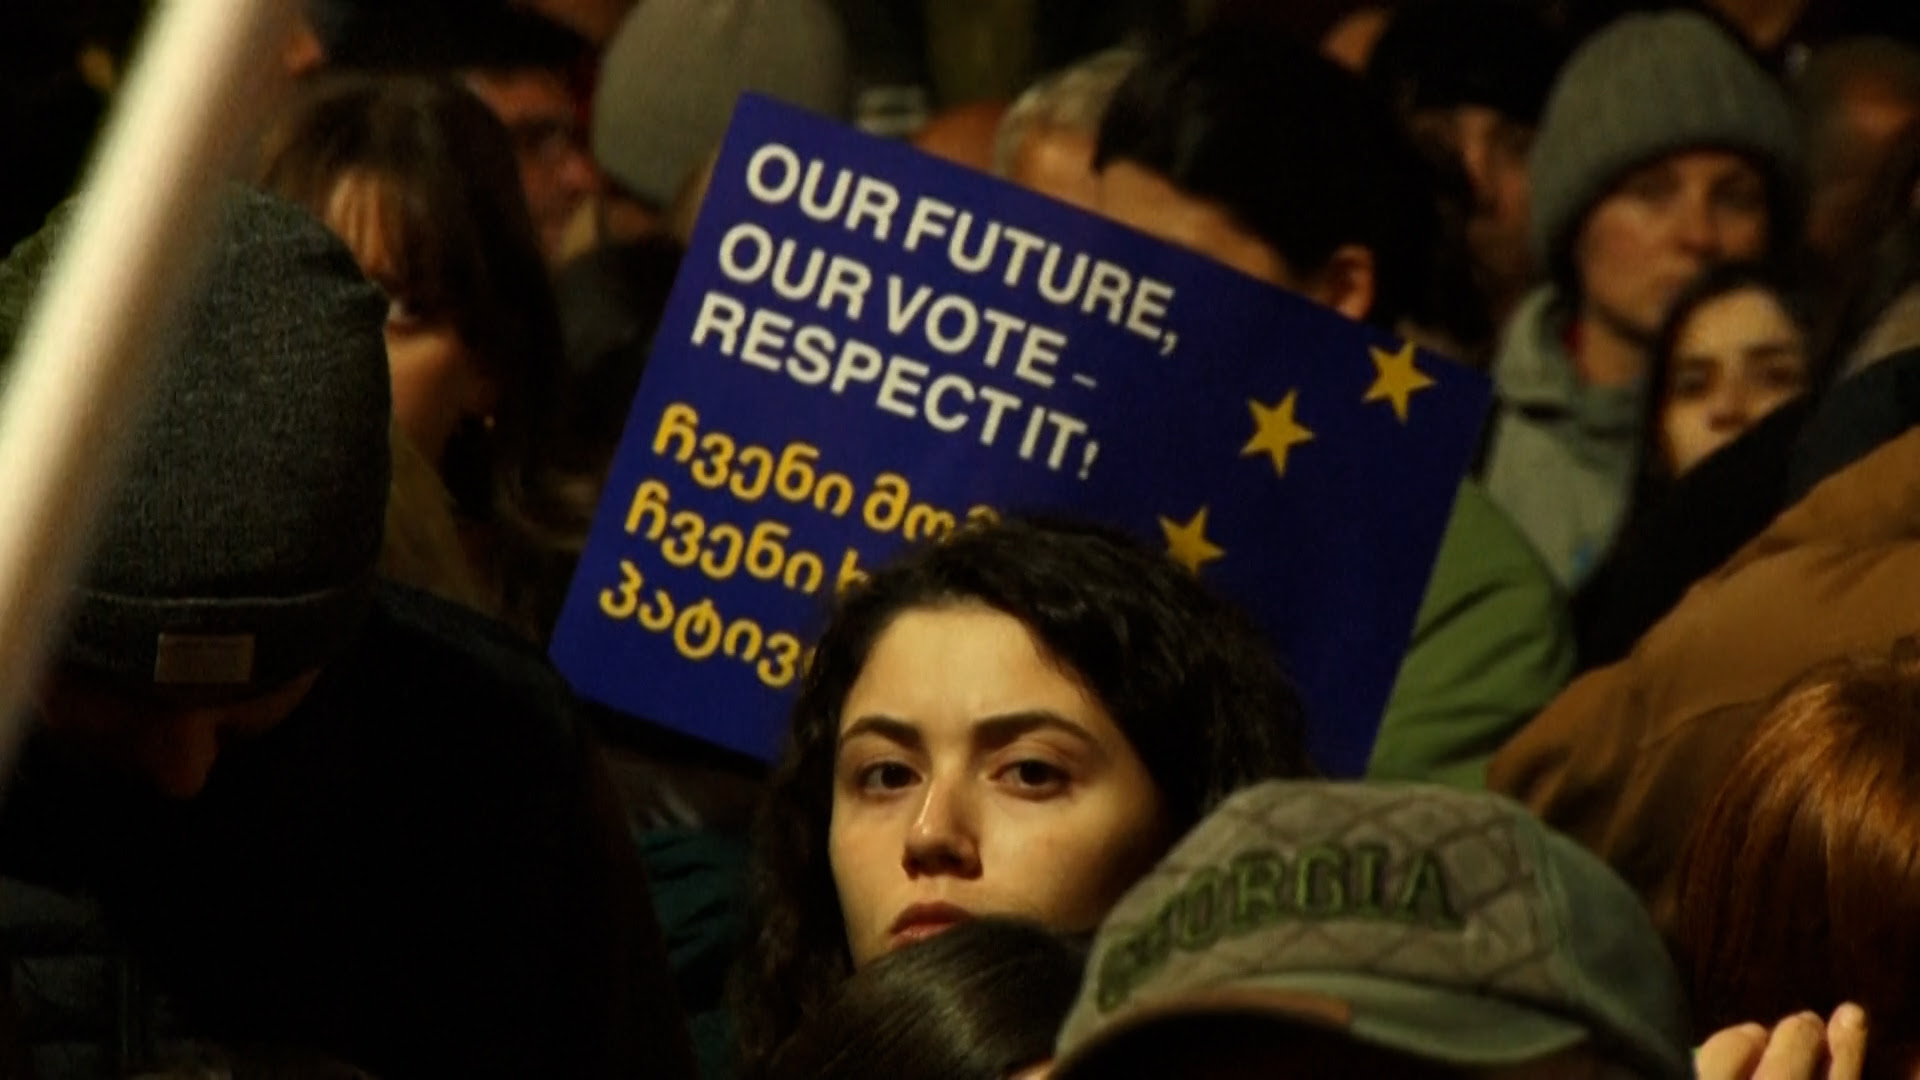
(867, 346)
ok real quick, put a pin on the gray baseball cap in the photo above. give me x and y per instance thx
(1449, 926)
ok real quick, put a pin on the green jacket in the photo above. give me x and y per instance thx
(1491, 646)
(1560, 454)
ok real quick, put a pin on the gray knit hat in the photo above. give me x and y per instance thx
(1449, 926)
(238, 548)
(671, 75)
(1646, 86)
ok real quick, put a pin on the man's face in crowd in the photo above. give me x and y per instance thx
(1145, 200)
(1659, 228)
(556, 170)
(170, 741)
(1492, 151)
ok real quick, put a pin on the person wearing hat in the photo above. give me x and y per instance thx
(669, 80)
(321, 812)
(1310, 928)
(1665, 148)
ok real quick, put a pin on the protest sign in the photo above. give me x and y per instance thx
(867, 346)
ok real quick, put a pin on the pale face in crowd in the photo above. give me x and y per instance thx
(556, 170)
(977, 775)
(437, 378)
(1739, 357)
(1659, 228)
(1149, 202)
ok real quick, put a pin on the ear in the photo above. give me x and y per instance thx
(1345, 283)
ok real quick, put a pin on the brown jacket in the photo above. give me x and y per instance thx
(1626, 758)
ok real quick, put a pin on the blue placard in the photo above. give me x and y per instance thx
(866, 345)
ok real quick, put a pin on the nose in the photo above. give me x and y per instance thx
(1695, 227)
(177, 752)
(1732, 407)
(941, 839)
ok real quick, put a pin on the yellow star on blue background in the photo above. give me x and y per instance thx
(1188, 544)
(1398, 379)
(1276, 431)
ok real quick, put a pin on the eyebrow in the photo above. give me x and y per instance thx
(1770, 350)
(993, 731)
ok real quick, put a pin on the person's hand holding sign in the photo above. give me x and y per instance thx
(1799, 1048)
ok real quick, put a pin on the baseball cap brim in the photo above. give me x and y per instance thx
(1437, 1024)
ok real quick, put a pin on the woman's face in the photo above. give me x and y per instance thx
(437, 380)
(976, 775)
(1739, 357)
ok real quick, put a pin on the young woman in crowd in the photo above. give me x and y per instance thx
(1016, 721)
(1733, 350)
(982, 1001)
(419, 179)
(1798, 890)
(1733, 357)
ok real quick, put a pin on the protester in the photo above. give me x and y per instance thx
(982, 1001)
(528, 70)
(1713, 467)
(1270, 160)
(1015, 721)
(325, 815)
(1664, 149)
(1628, 756)
(1468, 81)
(1878, 394)
(419, 179)
(671, 76)
(1821, 803)
(1046, 140)
(1854, 99)
(1322, 929)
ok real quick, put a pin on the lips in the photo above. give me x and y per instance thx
(922, 921)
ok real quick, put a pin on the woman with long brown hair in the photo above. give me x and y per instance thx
(420, 180)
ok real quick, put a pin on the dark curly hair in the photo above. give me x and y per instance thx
(1190, 682)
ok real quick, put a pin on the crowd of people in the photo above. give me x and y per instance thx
(303, 797)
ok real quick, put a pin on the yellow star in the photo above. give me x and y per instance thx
(1398, 379)
(1276, 431)
(1188, 543)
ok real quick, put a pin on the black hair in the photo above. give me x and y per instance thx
(1196, 690)
(1442, 53)
(981, 1001)
(1297, 149)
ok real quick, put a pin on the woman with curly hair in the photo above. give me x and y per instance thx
(1017, 721)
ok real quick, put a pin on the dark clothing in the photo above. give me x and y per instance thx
(1689, 529)
(422, 870)
(1857, 417)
